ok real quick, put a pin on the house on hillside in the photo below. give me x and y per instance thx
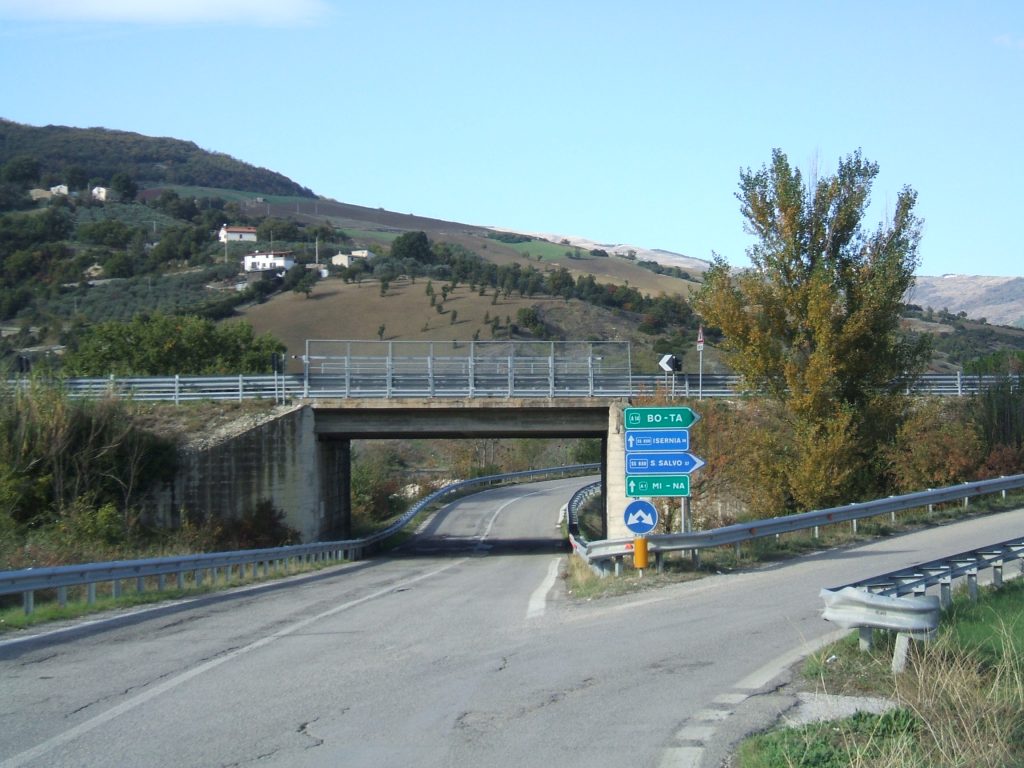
(347, 259)
(237, 234)
(60, 189)
(261, 262)
(100, 193)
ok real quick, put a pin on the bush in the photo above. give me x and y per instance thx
(937, 445)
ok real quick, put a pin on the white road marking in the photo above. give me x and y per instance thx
(126, 706)
(499, 510)
(539, 599)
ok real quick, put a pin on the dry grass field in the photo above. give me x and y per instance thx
(350, 311)
(339, 310)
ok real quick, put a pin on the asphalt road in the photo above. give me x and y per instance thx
(462, 649)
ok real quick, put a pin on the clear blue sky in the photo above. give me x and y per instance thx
(621, 122)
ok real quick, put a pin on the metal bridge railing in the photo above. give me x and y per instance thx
(450, 379)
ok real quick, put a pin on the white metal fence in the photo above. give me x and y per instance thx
(546, 379)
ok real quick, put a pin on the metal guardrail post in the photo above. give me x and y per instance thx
(551, 371)
(390, 371)
(430, 370)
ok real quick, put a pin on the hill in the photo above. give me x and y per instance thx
(999, 300)
(357, 311)
(160, 253)
(101, 154)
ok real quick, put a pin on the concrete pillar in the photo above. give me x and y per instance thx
(335, 462)
(615, 469)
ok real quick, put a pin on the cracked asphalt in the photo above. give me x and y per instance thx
(439, 656)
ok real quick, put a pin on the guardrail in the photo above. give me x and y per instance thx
(917, 579)
(878, 602)
(572, 509)
(218, 564)
(434, 384)
(599, 553)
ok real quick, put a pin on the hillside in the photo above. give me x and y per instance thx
(999, 300)
(357, 311)
(71, 261)
(102, 153)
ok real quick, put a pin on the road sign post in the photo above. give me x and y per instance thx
(700, 362)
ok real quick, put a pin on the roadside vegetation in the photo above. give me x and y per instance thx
(959, 704)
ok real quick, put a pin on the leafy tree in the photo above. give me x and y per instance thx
(279, 230)
(163, 345)
(413, 246)
(13, 197)
(125, 187)
(814, 323)
(76, 177)
(938, 445)
(376, 472)
(111, 233)
(306, 283)
(22, 170)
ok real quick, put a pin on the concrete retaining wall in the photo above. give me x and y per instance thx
(279, 461)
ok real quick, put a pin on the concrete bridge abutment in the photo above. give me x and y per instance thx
(301, 461)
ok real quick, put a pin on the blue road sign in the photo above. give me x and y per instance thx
(657, 440)
(641, 516)
(678, 463)
(662, 464)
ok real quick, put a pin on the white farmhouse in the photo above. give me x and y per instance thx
(261, 262)
(347, 259)
(99, 193)
(237, 234)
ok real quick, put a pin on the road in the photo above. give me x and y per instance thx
(462, 649)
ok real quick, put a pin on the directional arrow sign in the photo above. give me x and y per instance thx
(657, 439)
(679, 463)
(658, 485)
(660, 418)
(667, 363)
(640, 516)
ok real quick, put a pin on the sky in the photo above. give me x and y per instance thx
(624, 123)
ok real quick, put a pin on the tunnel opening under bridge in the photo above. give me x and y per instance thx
(343, 427)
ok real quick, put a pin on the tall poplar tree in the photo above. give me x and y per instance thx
(815, 321)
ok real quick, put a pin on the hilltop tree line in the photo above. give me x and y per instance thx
(74, 156)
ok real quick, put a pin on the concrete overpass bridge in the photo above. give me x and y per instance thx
(301, 460)
(355, 390)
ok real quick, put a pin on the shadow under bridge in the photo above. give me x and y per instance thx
(339, 422)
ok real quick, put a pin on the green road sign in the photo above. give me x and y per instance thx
(660, 418)
(658, 485)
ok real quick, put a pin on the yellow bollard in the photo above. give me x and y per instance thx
(639, 553)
